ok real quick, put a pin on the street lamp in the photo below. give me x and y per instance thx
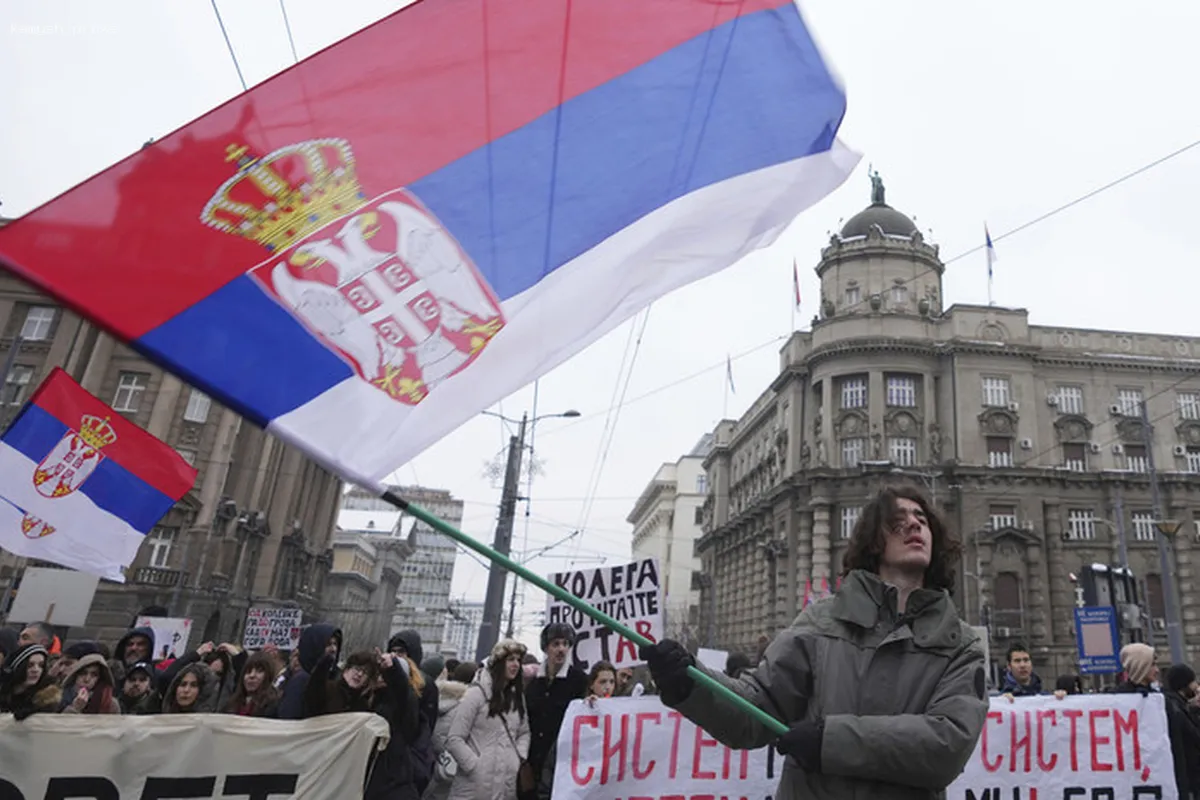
(489, 630)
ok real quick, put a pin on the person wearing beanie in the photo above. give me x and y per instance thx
(553, 686)
(434, 667)
(71, 656)
(1137, 660)
(1182, 729)
(25, 683)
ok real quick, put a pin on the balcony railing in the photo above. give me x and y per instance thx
(157, 576)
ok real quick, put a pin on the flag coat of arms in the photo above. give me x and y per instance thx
(372, 246)
(80, 485)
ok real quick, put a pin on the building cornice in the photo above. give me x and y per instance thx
(649, 496)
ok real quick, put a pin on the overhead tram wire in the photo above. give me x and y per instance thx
(587, 510)
(229, 44)
(288, 27)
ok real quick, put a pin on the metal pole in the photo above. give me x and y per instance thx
(1174, 629)
(493, 604)
(558, 593)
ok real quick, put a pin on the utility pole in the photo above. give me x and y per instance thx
(1164, 529)
(493, 604)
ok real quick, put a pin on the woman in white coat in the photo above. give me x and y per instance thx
(489, 734)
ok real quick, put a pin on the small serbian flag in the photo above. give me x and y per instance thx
(796, 281)
(368, 249)
(80, 485)
(991, 250)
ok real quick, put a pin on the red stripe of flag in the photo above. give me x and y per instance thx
(141, 454)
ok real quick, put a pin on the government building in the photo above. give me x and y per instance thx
(1039, 443)
(256, 528)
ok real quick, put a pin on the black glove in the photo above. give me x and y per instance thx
(669, 661)
(803, 743)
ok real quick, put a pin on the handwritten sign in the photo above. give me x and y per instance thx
(171, 635)
(276, 626)
(635, 747)
(629, 593)
(1085, 746)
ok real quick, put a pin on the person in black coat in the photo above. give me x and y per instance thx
(551, 690)
(407, 645)
(316, 641)
(1182, 729)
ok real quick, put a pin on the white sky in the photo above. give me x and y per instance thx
(971, 111)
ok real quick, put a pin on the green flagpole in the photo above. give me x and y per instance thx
(716, 687)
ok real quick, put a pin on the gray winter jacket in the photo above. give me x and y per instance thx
(902, 696)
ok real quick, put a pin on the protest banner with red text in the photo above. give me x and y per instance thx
(635, 747)
(629, 593)
(1111, 746)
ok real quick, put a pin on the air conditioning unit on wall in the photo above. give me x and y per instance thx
(1179, 450)
(1052, 400)
(1014, 407)
(1117, 449)
(1094, 447)
(1027, 444)
(1115, 410)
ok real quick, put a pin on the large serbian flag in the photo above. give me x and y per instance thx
(80, 485)
(372, 246)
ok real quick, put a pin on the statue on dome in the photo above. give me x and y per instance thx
(876, 186)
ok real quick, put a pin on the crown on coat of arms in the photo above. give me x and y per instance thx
(278, 199)
(96, 432)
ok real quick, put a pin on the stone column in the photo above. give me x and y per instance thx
(6, 311)
(804, 552)
(791, 563)
(217, 468)
(1062, 591)
(165, 404)
(821, 511)
(97, 366)
(64, 337)
(827, 436)
(1037, 600)
(1185, 578)
(876, 403)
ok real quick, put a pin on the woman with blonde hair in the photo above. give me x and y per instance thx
(489, 735)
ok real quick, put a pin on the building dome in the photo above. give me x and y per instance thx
(878, 213)
(883, 215)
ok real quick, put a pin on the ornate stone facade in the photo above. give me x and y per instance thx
(1030, 437)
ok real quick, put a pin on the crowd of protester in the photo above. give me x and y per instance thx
(458, 730)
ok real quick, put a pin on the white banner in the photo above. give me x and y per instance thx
(629, 593)
(277, 626)
(186, 755)
(1112, 746)
(630, 747)
(1107, 746)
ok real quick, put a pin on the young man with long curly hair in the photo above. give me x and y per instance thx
(882, 684)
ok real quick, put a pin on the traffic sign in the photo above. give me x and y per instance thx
(1097, 639)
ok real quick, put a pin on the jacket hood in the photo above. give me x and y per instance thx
(207, 701)
(450, 694)
(148, 632)
(85, 662)
(9, 641)
(412, 644)
(312, 643)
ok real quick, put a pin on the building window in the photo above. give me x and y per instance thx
(1135, 458)
(850, 515)
(197, 407)
(999, 451)
(995, 392)
(852, 451)
(1070, 399)
(1007, 593)
(1189, 405)
(1075, 456)
(161, 541)
(853, 296)
(899, 295)
(16, 384)
(187, 455)
(902, 451)
(1130, 402)
(902, 392)
(1154, 596)
(701, 484)
(1143, 526)
(1000, 517)
(1081, 524)
(854, 392)
(130, 388)
(1192, 459)
(37, 325)
(698, 516)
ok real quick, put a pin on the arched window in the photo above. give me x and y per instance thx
(1154, 596)
(1008, 604)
